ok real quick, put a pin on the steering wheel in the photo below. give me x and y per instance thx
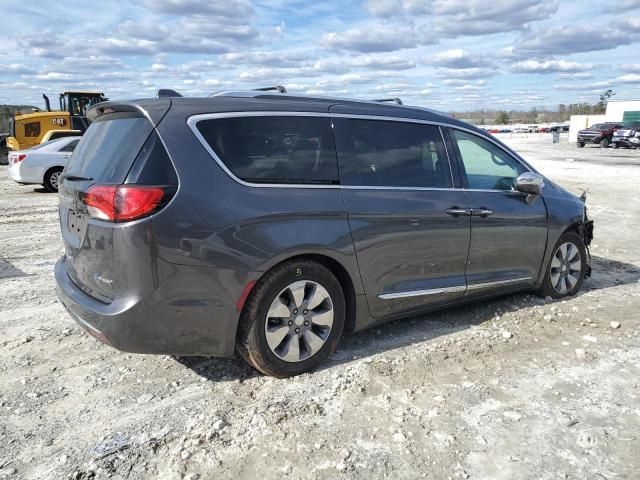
(505, 183)
(497, 161)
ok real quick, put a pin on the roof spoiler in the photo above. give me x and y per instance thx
(278, 88)
(167, 93)
(395, 100)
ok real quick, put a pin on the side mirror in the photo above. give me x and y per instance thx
(530, 182)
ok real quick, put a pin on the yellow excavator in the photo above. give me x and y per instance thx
(29, 129)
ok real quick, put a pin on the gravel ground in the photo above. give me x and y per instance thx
(518, 387)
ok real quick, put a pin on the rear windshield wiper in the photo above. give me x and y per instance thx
(75, 178)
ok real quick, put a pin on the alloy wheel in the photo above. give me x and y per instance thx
(54, 179)
(299, 321)
(566, 266)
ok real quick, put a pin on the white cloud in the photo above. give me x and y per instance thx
(550, 66)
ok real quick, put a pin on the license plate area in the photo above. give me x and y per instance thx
(76, 226)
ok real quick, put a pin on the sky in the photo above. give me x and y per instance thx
(451, 55)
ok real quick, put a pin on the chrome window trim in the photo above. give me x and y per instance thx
(455, 289)
(193, 120)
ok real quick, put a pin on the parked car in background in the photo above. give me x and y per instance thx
(521, 130)
(628, 136)
(599, 134)
(41, 164)
(533, 129)
(338, 215)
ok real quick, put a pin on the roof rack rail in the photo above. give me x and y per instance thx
(167, 92)
(279, 88)
(395, 100)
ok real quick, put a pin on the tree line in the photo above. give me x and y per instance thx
(562, 113)
(7, 110)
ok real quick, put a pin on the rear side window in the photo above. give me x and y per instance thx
(109, 147)
(69, 147)
(274, 149)
(391, 153)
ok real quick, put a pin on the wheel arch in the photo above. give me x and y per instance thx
(340, 272)
(50, 169)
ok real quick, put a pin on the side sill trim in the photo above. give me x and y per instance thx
(476, 286)
(456, 289)
(420, 293)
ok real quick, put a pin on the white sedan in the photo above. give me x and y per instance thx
(43, 163)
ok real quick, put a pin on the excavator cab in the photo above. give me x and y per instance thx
(29, 129)
(77, 104)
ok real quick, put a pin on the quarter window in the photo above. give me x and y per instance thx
(391, 153)
(32, 129)
(69, 147)
(486, 166)
(274, 149)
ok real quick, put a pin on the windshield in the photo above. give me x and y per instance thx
(109, 146)
(600, 126)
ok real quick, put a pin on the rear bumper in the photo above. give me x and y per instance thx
(166, 322)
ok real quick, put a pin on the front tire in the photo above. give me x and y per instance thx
(567, 267)
(580, 145)
(293, 319)
(52, 178)
(604, 143)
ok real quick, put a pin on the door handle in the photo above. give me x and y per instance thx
(455, 211)
(482, 212)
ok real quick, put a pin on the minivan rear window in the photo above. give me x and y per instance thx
(274, 149)
(109, 147)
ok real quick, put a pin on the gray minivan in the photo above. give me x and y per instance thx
(274, 223)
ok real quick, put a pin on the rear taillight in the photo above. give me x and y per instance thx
(121, 203)
(18, 158)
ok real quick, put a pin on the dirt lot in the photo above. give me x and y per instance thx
(514, 388)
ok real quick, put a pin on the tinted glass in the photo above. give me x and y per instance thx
(393, 154)
(153, 166)
(109, 147)
(69, 147)
(486, 165)
(274, 149)
(32, 129)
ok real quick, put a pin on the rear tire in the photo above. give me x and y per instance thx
(51, 179)
(615, 145)
(604, 143)
(566, 268)
(293, 319)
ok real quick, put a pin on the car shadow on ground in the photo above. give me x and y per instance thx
(425, 327)
(9, 270)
